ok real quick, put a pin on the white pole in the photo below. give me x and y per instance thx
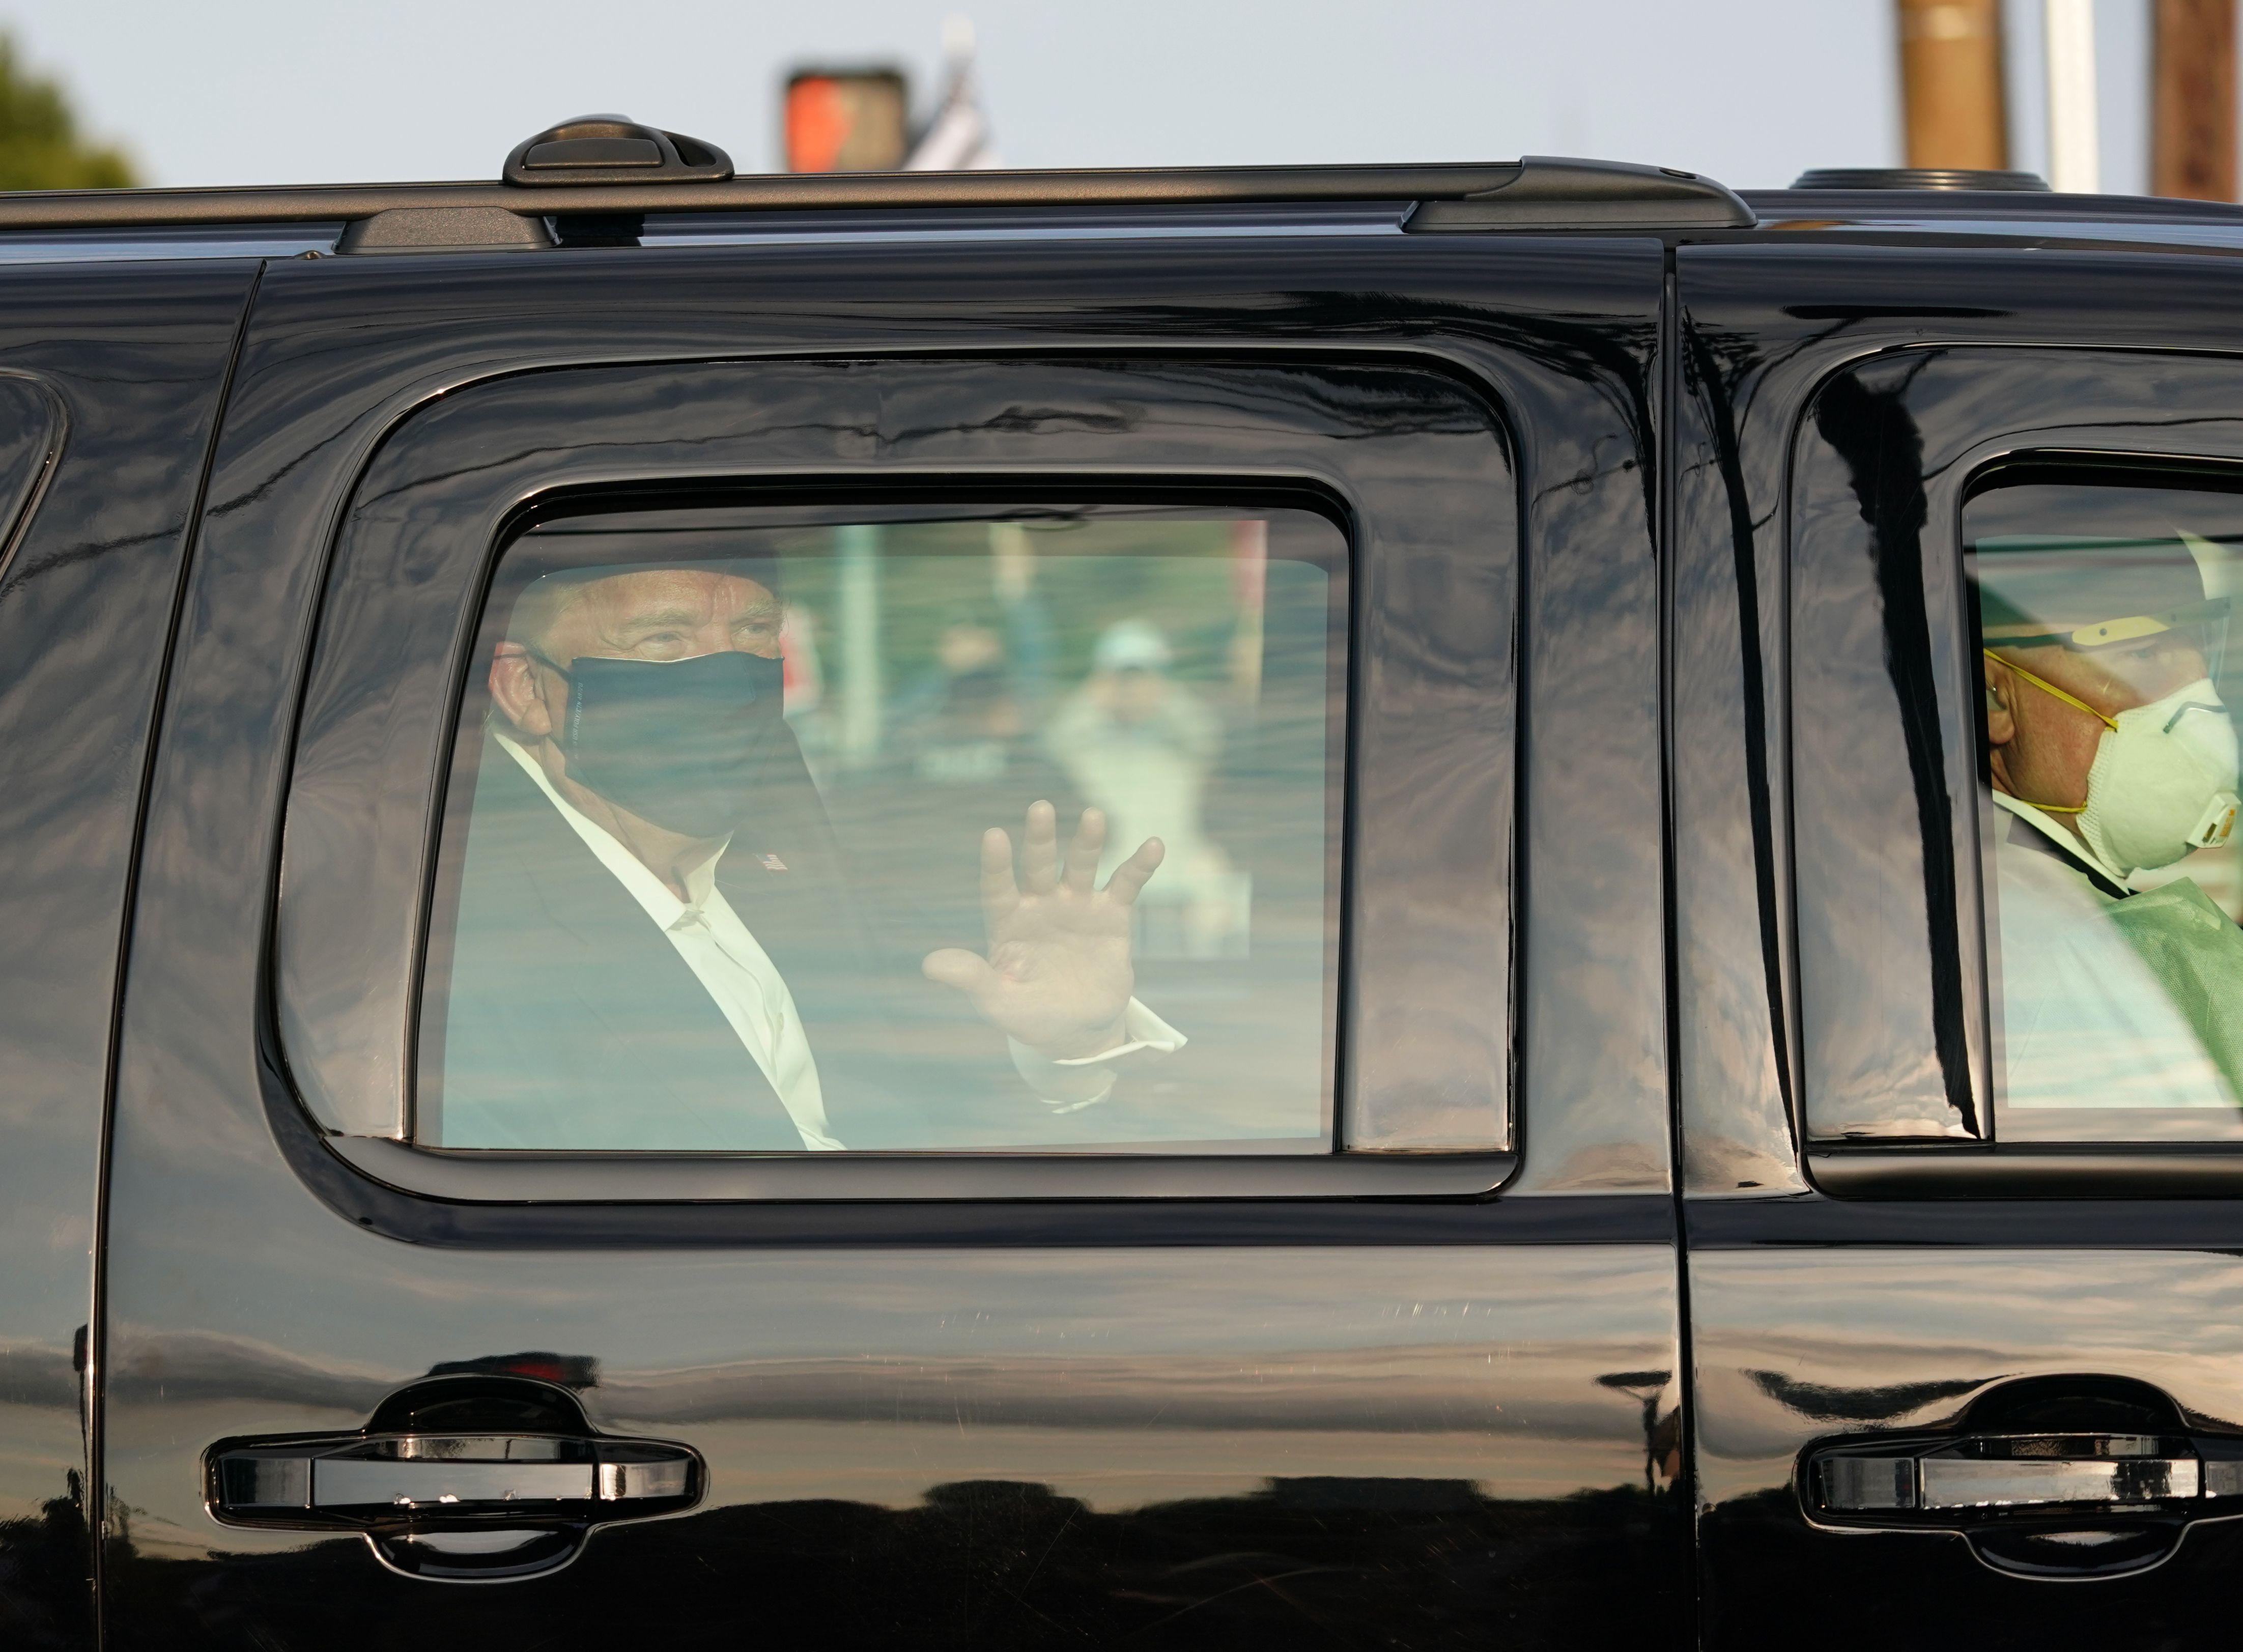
(2073, 145)
(860, 643)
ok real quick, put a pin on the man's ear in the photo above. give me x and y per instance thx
(517, 693)
(2002, 686)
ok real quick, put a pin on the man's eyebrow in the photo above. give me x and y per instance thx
(660, 617)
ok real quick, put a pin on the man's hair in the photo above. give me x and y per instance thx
(548, 597)
(539, 608)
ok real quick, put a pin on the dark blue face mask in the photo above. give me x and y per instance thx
(684, 742)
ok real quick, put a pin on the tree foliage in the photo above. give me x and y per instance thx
(40, 146)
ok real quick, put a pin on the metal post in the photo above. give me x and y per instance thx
(2074, 143)
(2192, 100)
(859, 544)
(1950, 71)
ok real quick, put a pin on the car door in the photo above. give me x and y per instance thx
(1363, 1325)
(110, 379)
(1962, 1198)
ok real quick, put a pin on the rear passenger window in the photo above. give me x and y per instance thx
(908, 829)
(2109, 761)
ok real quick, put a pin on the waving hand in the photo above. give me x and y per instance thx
(1057, 974)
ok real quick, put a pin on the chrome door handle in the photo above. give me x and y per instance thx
(2032, 1505)
(522, 1477)
(455, 1507)
(1989, 1472)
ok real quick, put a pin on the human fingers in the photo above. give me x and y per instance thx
(1083, 854)
(1000, 894)
(1040, 850)
(1129, 876)
(968, 972)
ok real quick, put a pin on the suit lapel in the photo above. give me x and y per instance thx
(628, 1043)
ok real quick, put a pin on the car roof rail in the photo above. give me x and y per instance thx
(594, 176)
(1547, 192)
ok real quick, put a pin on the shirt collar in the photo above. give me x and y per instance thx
(2073, 847)
(648, 890)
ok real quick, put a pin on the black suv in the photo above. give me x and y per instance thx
(1398, 906)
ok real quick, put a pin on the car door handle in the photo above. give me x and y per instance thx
(1989, 1472)
(2035, 1505)
(479, 1507)
(502, 1476)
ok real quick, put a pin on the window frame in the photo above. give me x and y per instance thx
(32, 432)
(2161, 414)
(1276, 451)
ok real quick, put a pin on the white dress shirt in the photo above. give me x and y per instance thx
(739, 976)
(2084, 1022)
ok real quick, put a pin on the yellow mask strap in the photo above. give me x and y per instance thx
(2047, 687)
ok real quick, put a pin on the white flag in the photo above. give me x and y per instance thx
(957, 139)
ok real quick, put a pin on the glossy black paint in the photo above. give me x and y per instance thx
(1936, 420)
(1764, 326)
(1305, 1384)
(998, 1427)
(109, 380)
(32, 422)
(2055, 1221)
(1795, 1346)
(249, 1287)
(1837, 398)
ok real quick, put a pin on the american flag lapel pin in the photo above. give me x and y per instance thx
(771, 863)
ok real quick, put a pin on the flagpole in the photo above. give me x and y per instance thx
(2074, 159)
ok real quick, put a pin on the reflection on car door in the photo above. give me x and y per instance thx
(1951, 1385)
(972, 1422)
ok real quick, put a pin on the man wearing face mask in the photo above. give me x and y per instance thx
(2110, 756)
(656, 947)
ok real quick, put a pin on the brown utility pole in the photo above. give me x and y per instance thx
(1950, 74)
(2192, 100)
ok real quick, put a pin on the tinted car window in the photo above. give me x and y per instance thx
(934, 829)
(2109, 766)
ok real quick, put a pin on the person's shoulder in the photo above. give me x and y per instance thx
(2182, 902)
(2025, 861)
(520, 853)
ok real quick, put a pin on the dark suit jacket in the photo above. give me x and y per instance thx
(559, 1016)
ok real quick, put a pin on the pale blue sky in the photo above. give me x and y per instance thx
(1751, 91)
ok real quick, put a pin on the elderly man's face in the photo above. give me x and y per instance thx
(653, 614)
(667, 613)
(2042, 747)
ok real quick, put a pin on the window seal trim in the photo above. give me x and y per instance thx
(1229, 1180)
(1840, 1166)
(2100, 1170)
(605, 1178)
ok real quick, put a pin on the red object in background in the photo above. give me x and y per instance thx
(568, 1370)
(846, 120)
(817, 125)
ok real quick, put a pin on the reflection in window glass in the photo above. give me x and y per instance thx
(909, 830)
(2110, 758)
